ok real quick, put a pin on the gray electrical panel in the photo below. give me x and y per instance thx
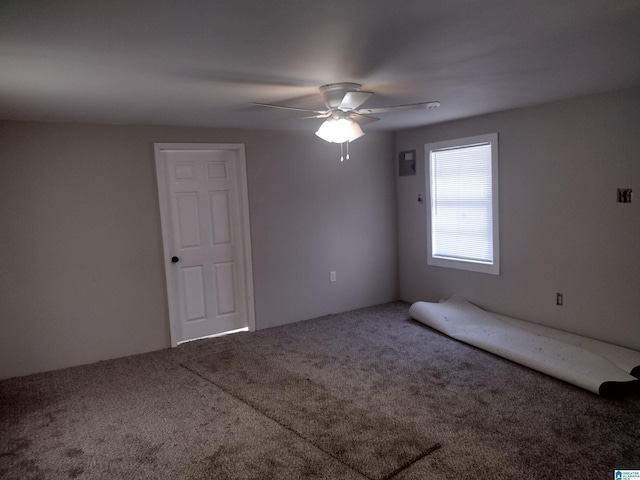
(407, 163)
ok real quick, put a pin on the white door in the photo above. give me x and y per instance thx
(205, 228)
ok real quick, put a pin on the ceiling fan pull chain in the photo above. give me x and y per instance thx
(347, 149)
(341, 153)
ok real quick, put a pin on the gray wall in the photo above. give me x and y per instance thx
(81, 266)
(81, 263)
(561, 229)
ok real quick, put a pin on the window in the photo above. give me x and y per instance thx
(463, 182)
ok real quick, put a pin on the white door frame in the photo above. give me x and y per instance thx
(164, 199)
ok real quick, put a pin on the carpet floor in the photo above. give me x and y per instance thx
(368, 394)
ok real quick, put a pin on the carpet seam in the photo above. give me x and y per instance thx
(306, 440)
(204, 357)
(400, 469)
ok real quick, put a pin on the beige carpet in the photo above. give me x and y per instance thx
(322, 413)
(314, 400)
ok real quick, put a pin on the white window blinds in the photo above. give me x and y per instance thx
(461, 203)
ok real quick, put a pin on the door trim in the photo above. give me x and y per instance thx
(164, 198)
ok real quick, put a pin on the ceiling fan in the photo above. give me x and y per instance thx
(344, 114)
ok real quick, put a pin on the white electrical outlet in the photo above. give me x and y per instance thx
(332, 276)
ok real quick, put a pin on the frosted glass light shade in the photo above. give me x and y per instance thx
(339, 130)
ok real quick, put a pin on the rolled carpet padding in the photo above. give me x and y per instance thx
(595, 366)
(625, 358)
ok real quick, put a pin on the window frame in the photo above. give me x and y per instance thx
(463, 264)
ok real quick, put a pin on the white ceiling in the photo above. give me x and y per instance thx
(202, 63)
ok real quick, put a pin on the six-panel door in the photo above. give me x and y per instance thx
(204, 225)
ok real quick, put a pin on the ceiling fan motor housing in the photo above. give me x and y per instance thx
(333, 93)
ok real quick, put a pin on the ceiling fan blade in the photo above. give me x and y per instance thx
(399, 108)
(362, 119)
(322, 112)
(320, 115)
(353, 100)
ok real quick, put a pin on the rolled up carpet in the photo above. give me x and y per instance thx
(601, 368)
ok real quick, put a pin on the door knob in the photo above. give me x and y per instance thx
(175, 259)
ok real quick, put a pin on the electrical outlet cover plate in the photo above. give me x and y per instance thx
(625, 195)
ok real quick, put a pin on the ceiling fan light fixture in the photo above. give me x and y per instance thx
(339, 130)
